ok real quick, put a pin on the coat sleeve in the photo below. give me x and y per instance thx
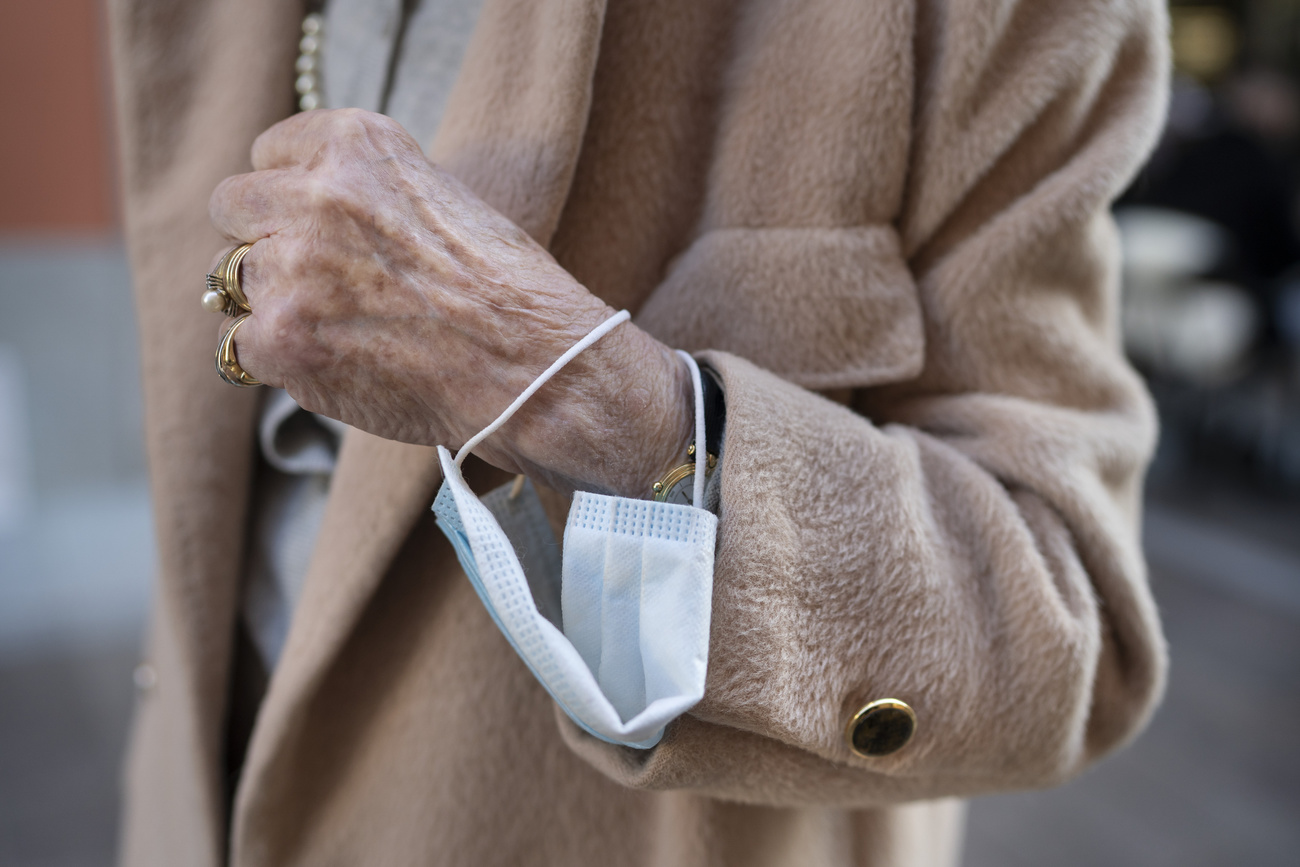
(965, 537)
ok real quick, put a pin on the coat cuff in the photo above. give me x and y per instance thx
(857, 562)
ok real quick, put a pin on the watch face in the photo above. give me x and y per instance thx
(680, 482)
(681, 493)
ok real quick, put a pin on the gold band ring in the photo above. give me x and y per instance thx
(228, 364)
(224, 294)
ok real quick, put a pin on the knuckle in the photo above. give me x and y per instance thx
(316, 189)
(360, 128)
(262, 145)
(278, 325)
(360, 118)
(351, 123)
(321, 190)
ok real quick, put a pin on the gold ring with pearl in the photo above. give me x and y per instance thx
(223, 293)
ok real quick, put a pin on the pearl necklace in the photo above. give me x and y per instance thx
(308, 65)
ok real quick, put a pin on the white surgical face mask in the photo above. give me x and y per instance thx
(620, 637)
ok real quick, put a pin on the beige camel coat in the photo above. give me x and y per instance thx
(901, 205)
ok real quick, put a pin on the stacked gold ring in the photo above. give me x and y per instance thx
(228, 364)
(224, 294)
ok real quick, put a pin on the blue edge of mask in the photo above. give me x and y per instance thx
(447, 516)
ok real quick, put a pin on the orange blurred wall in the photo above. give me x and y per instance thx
(55, 166)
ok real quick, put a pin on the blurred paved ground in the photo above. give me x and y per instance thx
(1214, 781)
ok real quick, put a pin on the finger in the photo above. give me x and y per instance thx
(299, 139)
(253, 268)
(288, 142)
(246, 346)
(253, 276)
(247, 207)
(296, 139)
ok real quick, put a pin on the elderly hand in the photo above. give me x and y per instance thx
(387, 295)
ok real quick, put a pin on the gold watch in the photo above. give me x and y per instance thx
(677, 485)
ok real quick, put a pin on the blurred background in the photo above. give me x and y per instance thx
(1211, 317)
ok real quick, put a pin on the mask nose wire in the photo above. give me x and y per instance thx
(595, 334)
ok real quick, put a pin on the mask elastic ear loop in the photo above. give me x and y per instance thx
(701, 458)
(596, 333)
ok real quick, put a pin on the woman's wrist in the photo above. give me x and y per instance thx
(613, 421)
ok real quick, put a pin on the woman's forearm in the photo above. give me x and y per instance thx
(387, 295)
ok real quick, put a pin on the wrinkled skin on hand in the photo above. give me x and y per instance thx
(387, 295)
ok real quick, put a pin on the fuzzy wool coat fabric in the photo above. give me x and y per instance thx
(885, 223)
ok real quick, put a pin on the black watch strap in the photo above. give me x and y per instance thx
(715, 409)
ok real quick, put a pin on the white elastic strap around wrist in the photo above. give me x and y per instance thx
(697, 387)
(701, 459)
(596, 333)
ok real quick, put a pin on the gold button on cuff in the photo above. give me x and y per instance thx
(880, 728)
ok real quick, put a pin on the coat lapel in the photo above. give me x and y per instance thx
(211, 64)
(512, 132)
